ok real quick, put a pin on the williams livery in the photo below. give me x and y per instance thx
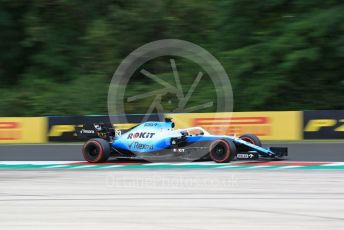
(158, 141)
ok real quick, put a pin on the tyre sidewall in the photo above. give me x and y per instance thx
(230, 151)
(104, 150)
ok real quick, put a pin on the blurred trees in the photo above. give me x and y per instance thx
(57, 57)
(286, 54)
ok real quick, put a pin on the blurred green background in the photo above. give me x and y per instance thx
(57, 57)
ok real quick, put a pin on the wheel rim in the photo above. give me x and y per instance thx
(220, 152)
(92, 152)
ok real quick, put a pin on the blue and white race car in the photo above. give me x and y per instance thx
(159, 141)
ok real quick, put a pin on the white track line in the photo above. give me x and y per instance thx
(112, 166)
(290, 167)
(334, 164)
(228, 166)
(57, 166)
(82, 166)
(260, 166)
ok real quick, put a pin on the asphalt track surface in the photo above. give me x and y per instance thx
(305, 151)
(168, 199)
(171, 199)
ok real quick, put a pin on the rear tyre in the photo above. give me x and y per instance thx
(251, 138)
(96, 150)
(221, 151)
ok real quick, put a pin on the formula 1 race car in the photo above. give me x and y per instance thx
(158, 141)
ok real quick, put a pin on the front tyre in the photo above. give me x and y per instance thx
(221, 151)
(96, 150)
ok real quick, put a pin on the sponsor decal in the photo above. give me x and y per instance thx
(140, 146)
(140, 135)
(245, 155)
(60, 130)
(10, 131)
(23, 130)
(259, 125)
(284, 125)
(178, 150)
(150, 124)
(87, 131)
(325, 124)
(118, 133)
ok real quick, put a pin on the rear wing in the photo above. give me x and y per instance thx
(101, 130)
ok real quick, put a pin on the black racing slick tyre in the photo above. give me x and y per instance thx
(251, 138)
(222, 151)
(96, 150)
